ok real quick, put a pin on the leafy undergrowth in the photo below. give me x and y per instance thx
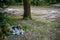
(36, 29)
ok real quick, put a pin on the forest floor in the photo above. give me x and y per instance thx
(45, 24)
(45, 13)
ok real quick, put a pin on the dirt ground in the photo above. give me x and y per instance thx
(44, 13)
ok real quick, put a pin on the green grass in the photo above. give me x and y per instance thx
(36, 32)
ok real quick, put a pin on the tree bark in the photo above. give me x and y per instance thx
(27, 11)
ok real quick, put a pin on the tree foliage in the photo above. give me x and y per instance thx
(43, 2)
(33, 2)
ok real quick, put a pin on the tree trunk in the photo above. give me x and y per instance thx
(27, 11)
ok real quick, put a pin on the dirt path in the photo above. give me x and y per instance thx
(45, 13)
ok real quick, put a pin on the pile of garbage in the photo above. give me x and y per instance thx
(15, 30)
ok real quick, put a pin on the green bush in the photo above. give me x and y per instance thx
(43, 2)
(37, 2)
(33, 2)
(4, 20)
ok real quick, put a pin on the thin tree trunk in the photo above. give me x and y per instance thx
(27, 11)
